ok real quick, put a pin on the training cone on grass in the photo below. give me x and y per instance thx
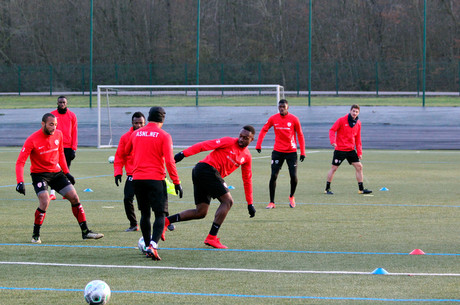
(88, 190)
(417, 252)
(384, 189)
(379, 271)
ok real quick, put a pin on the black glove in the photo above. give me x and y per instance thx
(179, 190)
(71, 178)
(20, 188)
(259, 150)
(179, 156)
(251, 210)
(72, 155)
(302, 157)
(117, 179)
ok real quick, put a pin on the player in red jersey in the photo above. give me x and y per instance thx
(151, 149)
(227, 155)
(286, 127)
(67, 123)
(345, 137)
(48, 167)
(124, 160)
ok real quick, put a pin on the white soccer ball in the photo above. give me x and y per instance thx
(111, 159)
(97, 292)
(141, 244)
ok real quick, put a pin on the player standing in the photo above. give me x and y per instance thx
(286, 127)
(48, 167)
(124, 160)
(345, 137)
(151, 148)
(67, 123)
(227, 155)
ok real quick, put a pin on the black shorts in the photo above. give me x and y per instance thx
(339, 156)
(207, 183)
(279, 157)
(57, 181)
(151, 194)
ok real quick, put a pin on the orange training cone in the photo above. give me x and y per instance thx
(417, 252)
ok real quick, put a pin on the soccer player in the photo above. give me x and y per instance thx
(67, 123)
(124, 160)
(48, 167)
(227, 155)
(345, 137)
(151, 148)
(286, 126)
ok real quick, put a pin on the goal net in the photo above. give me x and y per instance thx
(116, 103)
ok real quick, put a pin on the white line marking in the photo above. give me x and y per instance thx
(225, 269)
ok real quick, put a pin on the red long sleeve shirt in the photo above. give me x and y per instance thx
(46, 154)
(226, 157)
(286, 127)
(347, 138)
(67, 123)
(152, 148)
(122, 159)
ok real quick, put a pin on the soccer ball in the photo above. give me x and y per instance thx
(97, 292)
(141, 244)
(111, 159)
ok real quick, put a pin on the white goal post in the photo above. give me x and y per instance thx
(111, 96)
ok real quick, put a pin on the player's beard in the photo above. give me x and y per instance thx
(48, 132)
(62, 110)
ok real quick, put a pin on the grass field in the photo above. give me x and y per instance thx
(77, 101)
(322, 252)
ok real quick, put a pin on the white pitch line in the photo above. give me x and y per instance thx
(224, 269)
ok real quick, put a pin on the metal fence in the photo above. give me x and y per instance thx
(398, 76)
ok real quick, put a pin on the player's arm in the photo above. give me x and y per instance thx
(62, 160)
(203, 146)
(332, 133)
(359, 146)
(20, 163)
(171, 165)
(298, 130)
(120, 160)
(246, 173)
(262, 134)
(74, 133)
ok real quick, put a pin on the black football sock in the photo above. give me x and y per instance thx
(174, 218)
(328, 185)
(36, 230)
(360, 186)
(84, 227)
(214, 229)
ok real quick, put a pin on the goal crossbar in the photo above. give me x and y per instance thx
(106, 91)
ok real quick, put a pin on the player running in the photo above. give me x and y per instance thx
(124, 160)
(48, 167)
(286, 127)
(151, 148)
(227, 155)
(345, 137)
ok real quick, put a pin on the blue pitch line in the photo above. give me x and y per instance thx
(239, 295)
(232, 250)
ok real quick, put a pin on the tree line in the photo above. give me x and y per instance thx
(344, 32)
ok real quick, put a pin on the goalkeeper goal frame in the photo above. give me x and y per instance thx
(188, 90)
